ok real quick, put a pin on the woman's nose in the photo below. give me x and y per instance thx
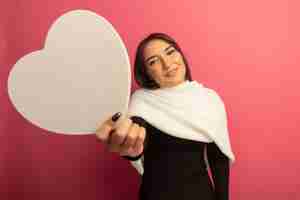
(167, 63)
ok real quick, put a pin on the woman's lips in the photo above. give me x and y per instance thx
(171, 72)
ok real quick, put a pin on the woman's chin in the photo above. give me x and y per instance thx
(174, 82)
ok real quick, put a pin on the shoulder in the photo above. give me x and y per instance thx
(139, 95)
(209, 91)
(214, 93)
(215, 97)
(138, 92)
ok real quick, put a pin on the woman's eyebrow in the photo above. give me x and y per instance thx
(150, 58)
(166, 49)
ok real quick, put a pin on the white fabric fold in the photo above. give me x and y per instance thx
(188, 110)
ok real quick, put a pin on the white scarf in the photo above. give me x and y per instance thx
(188, 111)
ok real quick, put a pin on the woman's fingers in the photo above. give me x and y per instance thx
(119, 134)
(103, 131)
(139, 145)
(131, 136)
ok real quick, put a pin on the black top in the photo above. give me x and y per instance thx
(174, 168)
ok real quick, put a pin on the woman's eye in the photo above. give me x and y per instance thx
(152, 62)
(171, 52)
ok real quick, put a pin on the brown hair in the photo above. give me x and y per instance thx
(140, 73)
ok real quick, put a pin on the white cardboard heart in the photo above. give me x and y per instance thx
(80, 78)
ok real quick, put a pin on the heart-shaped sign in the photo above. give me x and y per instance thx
(80, 78)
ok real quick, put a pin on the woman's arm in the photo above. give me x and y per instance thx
(219, 166)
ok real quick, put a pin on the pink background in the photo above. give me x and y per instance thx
(249, 51)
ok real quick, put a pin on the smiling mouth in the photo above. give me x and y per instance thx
(172, 72)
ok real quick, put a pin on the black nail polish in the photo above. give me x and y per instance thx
(116, 116)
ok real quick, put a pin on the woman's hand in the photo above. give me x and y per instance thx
(121, 135)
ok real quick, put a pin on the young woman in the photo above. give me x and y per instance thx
(176, 126)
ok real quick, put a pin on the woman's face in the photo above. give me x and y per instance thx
(164, 63)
